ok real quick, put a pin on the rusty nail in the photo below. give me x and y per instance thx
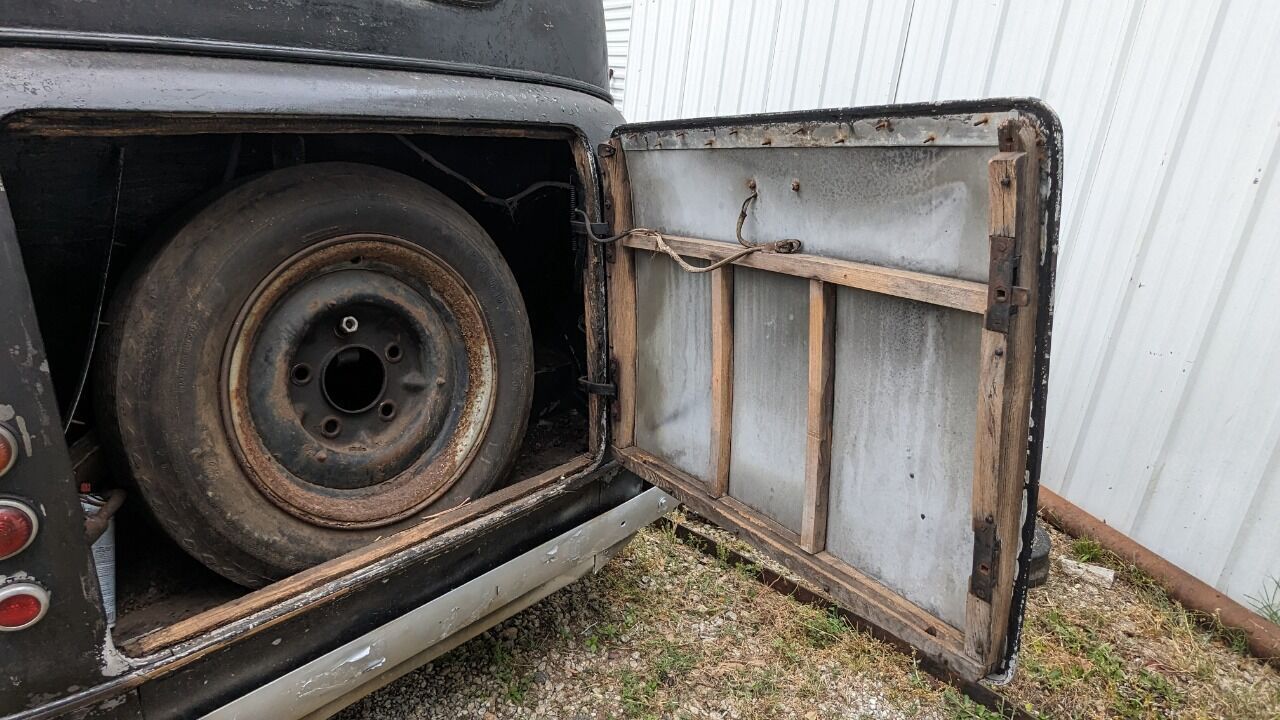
(605, 150)
(1006, 181)
(795, 186)
(930, 139)
(767, 141)
(999, 352)
(982, 121)
(710, 141)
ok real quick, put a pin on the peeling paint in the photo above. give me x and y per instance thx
(26, 436)
(114, 662)
(347, 671)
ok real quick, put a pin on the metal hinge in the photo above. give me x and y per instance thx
(596, 388)
(598, 229)
(1004, 296)
(986, 558)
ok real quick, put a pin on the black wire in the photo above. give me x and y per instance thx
(508, 203)
(102, 296)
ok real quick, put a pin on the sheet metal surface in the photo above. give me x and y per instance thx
(913, 208)
(770, 381)
(906, 393)
(673, 363)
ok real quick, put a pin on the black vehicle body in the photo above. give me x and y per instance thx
(513, 88)
(145, 69)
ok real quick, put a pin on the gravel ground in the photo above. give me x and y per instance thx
(665, 631)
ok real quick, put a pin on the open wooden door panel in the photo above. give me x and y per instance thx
(867, 407)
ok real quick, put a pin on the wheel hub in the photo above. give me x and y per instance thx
(359, 382)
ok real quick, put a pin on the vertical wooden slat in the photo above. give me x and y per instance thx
(721, 378)
(817, 462)
(1004, 400)
(622, 299)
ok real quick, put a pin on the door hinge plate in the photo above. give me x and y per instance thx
(1004, 297)
(597, 229)
(986, 556)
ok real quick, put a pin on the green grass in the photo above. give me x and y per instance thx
(1088, 550)
(1267, 602)
(673, 662)
(638, 694)
(515, 682)
(823, 628)
(960, 707)
(1067, 655)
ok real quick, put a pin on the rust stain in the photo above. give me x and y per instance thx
(423, 481)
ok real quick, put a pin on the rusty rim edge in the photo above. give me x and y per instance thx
(236, 344)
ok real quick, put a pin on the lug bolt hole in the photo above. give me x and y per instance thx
(357, 260)
(392, 352)
(387, 410)
(331, 427)
(300, 374)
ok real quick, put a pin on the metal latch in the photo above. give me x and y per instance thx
(1004, 297)
(986, 556)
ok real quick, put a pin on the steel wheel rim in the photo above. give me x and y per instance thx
(397, 447)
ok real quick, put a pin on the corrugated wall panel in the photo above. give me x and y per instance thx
(617, 30)
(1164, 408)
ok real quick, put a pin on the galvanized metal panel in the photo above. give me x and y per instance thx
(770, 382)
(915, 208)
(673, 363)
(1161, 419)
(906, 384)
(902, 446)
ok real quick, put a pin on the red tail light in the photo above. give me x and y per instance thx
(18, 527)
(8, 450)
(22, 605)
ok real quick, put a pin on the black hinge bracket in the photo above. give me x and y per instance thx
(986, 558)
(1004, 297)
(595, 388)
(597, 229)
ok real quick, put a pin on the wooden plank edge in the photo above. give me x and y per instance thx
(622, 296)
(721, 379)
(298, 583)
(851, 589)
(817, 466)
(955, 293)
(987, 468)
(1020, 359)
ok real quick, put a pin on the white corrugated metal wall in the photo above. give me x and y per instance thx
(1164, 409)
(617, 23)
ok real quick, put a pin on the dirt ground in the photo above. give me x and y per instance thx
(666, 631)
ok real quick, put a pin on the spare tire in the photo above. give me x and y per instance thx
(322, 356)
